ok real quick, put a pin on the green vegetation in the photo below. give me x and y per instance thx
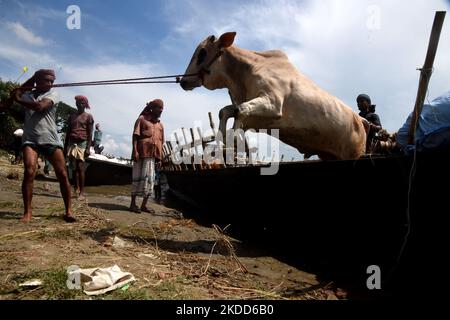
(54, 287)
(10, 119)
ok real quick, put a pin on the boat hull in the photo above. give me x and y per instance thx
(101, 172)
(346, 215)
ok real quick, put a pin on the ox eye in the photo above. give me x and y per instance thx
(201, 56)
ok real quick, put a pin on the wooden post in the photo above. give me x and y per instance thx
(164, 155)
(194, 145)
(200, 134)
(176, 166)
(167, 157)
(180, 152)
(425, 73)
(211, 124)
(188, 146)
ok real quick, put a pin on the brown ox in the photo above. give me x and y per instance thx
(268, 92)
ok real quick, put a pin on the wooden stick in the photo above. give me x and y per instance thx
(176, 166)
(200, 134)
(195, 166)
(211, 124)
(167, 161)
(185, 141)
(187, 145)
(181, 149)
(169, 149)
(164, 155)
(425, 73)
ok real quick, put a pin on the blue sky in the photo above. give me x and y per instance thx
(347, 47)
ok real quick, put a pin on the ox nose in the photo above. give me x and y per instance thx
(184, 84)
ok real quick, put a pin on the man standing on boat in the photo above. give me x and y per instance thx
(367, 111)
(78, 141)
(40, 136)
(98, 148)
(148, 139)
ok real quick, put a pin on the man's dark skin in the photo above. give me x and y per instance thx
(154, 113)
(30, 156)
(364, 106)
(79, 173)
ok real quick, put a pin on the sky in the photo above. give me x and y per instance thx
(346, 47)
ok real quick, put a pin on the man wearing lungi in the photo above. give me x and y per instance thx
(148, 139)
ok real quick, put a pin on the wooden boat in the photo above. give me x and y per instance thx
(343, 214)
(107, 172)
(346, 216)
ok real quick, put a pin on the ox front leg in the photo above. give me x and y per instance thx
(261, 107)
(224, 114)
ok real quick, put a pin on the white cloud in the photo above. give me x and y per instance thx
(22, 56)
(329, 41)
(117, 107)
(26, 35)
(112, 147)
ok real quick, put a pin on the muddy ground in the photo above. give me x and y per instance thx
(171, 257)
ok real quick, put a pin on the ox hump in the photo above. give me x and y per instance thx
(272, 54)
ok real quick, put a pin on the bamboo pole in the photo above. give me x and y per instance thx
(425, 73)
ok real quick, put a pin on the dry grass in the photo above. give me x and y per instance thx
(46, 246)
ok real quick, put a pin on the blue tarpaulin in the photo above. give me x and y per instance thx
(433, 129)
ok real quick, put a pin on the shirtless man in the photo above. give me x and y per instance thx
(78, 141)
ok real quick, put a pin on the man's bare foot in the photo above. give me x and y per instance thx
(26, 217)
(135, 209)
(81, 197)
(145, 209)
(69, 218)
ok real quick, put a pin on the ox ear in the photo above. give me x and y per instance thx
(227, 39)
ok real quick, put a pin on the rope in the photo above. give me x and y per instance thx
(120, 81)
(129, 80)
(107, 83)
(412, 174)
